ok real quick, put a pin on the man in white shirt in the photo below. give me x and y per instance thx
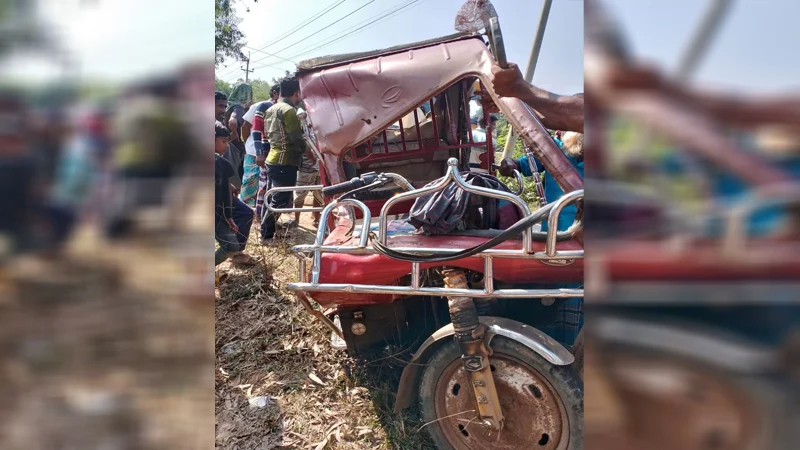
(478, 136)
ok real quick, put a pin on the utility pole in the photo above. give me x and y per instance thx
(247, 70)
(537, 46)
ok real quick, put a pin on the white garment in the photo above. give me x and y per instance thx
(250, 117)
(478, 135)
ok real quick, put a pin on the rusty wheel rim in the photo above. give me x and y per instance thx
(535, 416)
(670, 404)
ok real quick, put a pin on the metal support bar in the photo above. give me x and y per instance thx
(512, 254)
(415, 276)
(434, 291)
(317, 261)
(488, 275)
(315, 187)
(552, 219)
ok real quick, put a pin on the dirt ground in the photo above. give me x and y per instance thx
(91, 359)
(272, 353)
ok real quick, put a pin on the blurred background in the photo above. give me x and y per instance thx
(106, 317)
(692, 118)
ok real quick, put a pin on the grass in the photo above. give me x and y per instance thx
(267, 345)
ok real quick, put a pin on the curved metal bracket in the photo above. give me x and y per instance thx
(292, 189)
(552, 219)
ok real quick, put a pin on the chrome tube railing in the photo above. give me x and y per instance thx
(453, 176)
(316, 187)
(552, 219)
(316, 248)
(415, 286)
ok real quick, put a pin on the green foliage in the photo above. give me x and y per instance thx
(529, 191)
(228, 38)
(223, 86)
(260, 90)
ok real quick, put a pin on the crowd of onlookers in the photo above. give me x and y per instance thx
(259, 146)
(104, 158)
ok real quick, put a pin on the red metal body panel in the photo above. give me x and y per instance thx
(651, 261)
(382, 270)
(355, 101)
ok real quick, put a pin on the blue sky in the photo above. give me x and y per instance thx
(560, 66)
(755, 50)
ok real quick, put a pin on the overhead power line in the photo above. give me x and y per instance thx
(361, 26)
(321, 29)
(228, 71)
(303, 24)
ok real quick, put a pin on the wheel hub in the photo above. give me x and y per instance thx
(534, 415)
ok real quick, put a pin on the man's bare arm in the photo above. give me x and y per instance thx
(730, 108)
(557, 112)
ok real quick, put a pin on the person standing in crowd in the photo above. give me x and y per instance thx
(254, 182)
(225, 228)
(239, 101)
(307, 175)
(220, 105)
(479, 135)
(242, 214)
(153, 145)
(263, 179)
(287, 146)
(75, 176)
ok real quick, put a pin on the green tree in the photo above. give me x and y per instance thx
(223, 86)
(228, 38)
(260, 90)
(529, 191)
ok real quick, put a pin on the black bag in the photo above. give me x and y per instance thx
(452, 208)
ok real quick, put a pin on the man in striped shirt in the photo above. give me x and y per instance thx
(284, 133)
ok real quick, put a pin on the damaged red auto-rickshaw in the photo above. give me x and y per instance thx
(396, 123)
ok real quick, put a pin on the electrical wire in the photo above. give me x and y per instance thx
(371, 21)
(321, 29)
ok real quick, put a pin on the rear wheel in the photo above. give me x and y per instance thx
(542, 403)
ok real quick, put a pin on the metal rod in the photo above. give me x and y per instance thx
(415, 275)
(402, 134)
(466, 112)
(385, 142)
(416, 125)
(433, 118)
(508, 150)
(407, 290)
(690, 59)
(512, 254)
(317, 258)
(307, 305)
(488, 275)
(315, 187)
(552, 219)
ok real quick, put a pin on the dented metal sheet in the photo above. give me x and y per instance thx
(351, 102)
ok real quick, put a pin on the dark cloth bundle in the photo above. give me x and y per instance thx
(449, 209)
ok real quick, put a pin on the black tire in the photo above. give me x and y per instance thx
(564, 381)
